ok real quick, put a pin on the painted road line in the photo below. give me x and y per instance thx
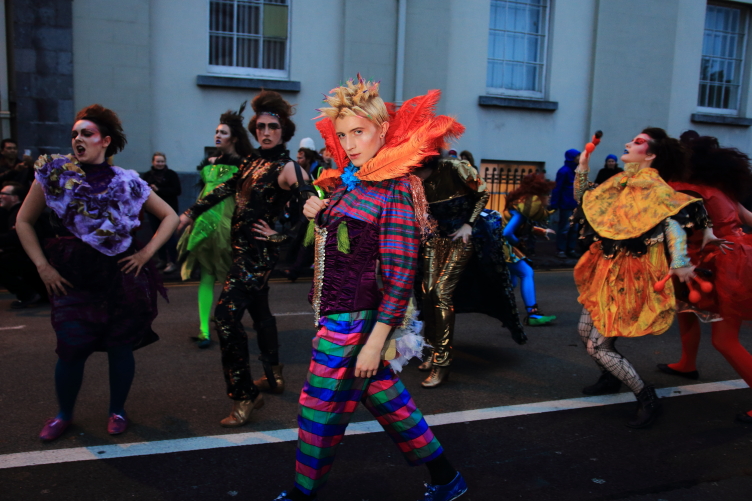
(13, 328)
(291, 434)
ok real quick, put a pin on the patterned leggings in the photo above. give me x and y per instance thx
(603, 351)
(332, 392)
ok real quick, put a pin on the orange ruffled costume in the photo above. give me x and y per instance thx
(415, 133)
(618, 292)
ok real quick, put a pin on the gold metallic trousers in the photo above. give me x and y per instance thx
(444, 261)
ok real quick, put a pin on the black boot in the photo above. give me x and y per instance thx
(266, 335)
(648, 408)
(607, 384)
(519, 336)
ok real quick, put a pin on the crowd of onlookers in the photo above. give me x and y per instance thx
(17, 273)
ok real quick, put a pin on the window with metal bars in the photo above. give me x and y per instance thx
(249, 37)
(517, 47)
(502, 176)
(723, 54)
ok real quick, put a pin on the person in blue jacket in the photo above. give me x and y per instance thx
(562, 199)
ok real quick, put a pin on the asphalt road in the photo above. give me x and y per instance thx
(695, 452)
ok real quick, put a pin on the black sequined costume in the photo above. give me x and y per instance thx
(257, 196)
(456, 195)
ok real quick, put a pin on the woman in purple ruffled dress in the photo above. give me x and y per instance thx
(103, 288)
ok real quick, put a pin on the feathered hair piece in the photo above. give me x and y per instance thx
(233, 117)
(415, 133)
(234, 120)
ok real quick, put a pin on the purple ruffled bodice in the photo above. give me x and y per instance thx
(350, 282)
(99, 204)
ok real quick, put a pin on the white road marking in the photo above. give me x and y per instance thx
(291, 434)
(13, 328)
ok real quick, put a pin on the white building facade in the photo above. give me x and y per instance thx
(528, 78)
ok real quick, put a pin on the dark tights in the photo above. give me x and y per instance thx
(70, 374)
(441, 470)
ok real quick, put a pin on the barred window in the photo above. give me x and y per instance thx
(722, 64)
(249, 37)
(502, 176)
(517, 47)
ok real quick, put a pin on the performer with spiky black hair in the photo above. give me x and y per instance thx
(261, 187)
(207, 240)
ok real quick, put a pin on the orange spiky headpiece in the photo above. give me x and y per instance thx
(415, 132)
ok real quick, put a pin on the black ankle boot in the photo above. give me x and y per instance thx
(607, 384)
(648, 408)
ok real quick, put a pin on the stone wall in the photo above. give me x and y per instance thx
(42, 86)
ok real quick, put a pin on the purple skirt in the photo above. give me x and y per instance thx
(105, 308)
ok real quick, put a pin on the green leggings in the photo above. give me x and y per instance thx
(205, 302)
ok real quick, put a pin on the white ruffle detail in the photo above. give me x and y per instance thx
(409, 341)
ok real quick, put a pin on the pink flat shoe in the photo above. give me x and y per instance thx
(117, 424)
(53, 428)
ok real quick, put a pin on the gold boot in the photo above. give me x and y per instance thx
(427, 364)
(439, 375)
(263, 383)
(241, 412)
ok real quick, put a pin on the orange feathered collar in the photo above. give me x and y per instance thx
(632, 203)
(415, 133)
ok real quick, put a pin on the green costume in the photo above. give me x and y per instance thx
(207, 240)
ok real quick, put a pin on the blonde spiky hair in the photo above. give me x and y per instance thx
(356, 98)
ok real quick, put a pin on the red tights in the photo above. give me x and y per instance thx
(725, 340)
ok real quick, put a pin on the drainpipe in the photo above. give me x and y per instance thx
(399, 78)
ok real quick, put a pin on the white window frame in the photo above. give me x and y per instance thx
(528, 94)
(240, 71)
(745, 22)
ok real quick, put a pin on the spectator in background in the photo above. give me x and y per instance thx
(309, 158)
(610, 168)
(165, 183)
(8, 155)
(562, 199)
(13, 168)
(17, 273)
(466, 155)
(327, 158)
(312, 162)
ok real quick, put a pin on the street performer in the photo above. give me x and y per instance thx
(375, 213)
(263, 184)
(626, 221)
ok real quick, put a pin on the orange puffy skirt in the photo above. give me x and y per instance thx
(619, 293)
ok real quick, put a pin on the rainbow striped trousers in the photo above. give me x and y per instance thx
(332, 392)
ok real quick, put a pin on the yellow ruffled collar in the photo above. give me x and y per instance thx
(631, 203)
